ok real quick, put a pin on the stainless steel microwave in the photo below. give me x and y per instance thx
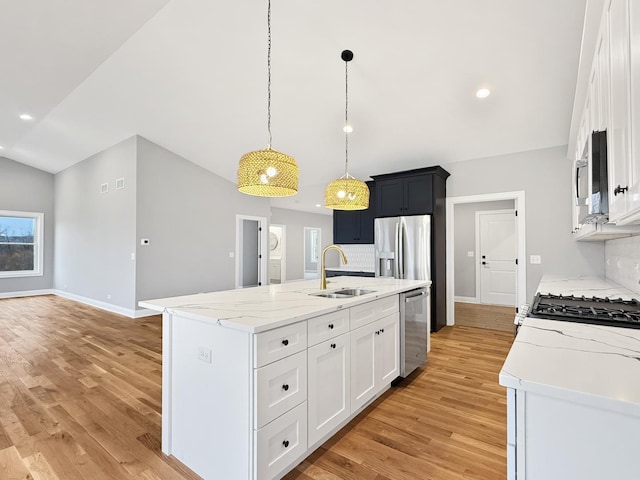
(591, 180)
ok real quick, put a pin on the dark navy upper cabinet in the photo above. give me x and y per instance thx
(408, 193)
(355, 226)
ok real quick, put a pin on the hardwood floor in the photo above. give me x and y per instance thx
(80, 395)
(495, 317)
(445, 422)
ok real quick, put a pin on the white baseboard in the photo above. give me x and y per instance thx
(145, 312)
(26, 293)
(465, 299)
(109, 307)
(127, 312)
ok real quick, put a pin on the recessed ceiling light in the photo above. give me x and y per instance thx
(483, 93)
(318, 205)
(25, 116)
(347, 129)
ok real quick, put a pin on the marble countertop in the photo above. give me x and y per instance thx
(588, 364)
(259, 309)
(592, 365)
(587, 286)
(346, 268)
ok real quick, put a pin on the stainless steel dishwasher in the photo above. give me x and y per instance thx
(415, 323)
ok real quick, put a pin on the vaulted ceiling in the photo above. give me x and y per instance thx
(190, 75)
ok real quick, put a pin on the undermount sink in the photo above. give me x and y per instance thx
(344, 293)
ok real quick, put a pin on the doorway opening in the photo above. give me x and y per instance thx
(312, 242)
(277, 254)
(464, 265)
(251, 248)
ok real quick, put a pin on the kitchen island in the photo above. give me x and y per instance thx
(256, 379)
(573, 394)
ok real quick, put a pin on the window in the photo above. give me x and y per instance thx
(20, 244)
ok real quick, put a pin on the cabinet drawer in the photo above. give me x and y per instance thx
(368, 312)
(279, 343)
(327, 326)
(281, 442)
(279, 387)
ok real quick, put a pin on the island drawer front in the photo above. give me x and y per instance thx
(327, 326)
(281, 442)
(280, 386)
(279, 343)
(368, 312)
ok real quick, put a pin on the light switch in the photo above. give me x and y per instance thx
(535, 259)
(470, 254)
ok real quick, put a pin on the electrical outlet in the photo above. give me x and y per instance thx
(108, 296)
(204, 354)
(470, 254)
(535, 259)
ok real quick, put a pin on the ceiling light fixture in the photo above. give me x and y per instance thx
(347, 192)
(25, 116)
(268, 173)
(483, 93)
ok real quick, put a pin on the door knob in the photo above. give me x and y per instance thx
(485, 263)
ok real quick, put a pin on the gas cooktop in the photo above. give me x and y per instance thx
(614, 312)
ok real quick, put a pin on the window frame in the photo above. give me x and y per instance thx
(38, 244)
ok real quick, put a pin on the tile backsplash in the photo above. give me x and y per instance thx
(360, 257)
(622, 262)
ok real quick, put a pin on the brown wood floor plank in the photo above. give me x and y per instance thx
(80, 397)
(495, 317)
(447, 421)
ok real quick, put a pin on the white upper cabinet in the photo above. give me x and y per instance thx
(618, 134)
(613, 104)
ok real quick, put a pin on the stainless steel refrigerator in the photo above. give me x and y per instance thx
(403, 250)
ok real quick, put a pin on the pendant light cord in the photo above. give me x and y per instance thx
(346, 118)
(269, 73)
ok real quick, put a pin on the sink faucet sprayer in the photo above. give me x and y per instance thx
(323, 278)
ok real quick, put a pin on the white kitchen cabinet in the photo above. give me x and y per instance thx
(329, 387)
(387, 362)
(550, 438)
(374, 359)
(243, 405)
(618, 134)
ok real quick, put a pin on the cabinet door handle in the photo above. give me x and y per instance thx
(620, 189)
(285, 387)
(285, 443)
(382, 330)
(377, 332)
(333, 345)
(285, 342)
(331, 326)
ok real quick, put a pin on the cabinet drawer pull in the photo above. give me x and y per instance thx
(285, 443)
(285, 342)
(333, 345)
(331, 326)
(285, 387)
(620, 189)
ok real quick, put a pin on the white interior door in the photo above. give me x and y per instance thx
(496, 242)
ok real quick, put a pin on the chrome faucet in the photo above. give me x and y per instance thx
(323, 278)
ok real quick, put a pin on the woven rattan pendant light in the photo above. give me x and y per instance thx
(268, 173)
(347, 192)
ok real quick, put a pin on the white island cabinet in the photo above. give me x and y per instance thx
(254, 380)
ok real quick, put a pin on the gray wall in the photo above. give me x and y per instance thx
(189, 216)
(465, 241)
(545, 176)
(27, 189)
(295, 222)
(95, 232)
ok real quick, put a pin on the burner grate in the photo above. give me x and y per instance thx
(596, 310)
